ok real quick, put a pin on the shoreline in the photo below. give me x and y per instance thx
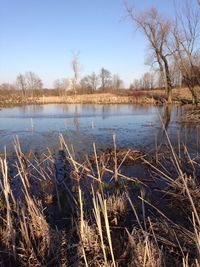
(105, 98)
(154, 97)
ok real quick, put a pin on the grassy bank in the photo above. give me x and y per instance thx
(103, 98)
(179, 95)
(56, 211)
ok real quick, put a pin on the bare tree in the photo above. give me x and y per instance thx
(185, 46)
(147, 81)
(22, 84)
(175, 73)
(106, 79)
(29, 83)
(7, 87)
(157, 29)
(136, 84)
(57, 85)
(117, 83)
(76, 69)
(85, 85)
(61, 85)
(89, 83)
(34, 83)
(94, 81)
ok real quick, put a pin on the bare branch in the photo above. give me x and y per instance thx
(157, 30)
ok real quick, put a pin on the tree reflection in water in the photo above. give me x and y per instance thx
(165, 121)
(166, 116)
(75, 118)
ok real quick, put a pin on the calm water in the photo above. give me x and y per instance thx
(38, 127)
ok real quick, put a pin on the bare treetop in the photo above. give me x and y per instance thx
(76, 69)
(156, 28)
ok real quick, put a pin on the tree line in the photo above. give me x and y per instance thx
(30, 84)
(104, 81)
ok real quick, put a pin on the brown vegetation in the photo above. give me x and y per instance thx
(56, 211)
(103, 98)
(156, 96)
(179, 95)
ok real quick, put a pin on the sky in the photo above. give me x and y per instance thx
(40, 36)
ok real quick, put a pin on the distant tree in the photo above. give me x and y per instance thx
(21, 84)
(29, 83)
(131, 87)
(136, 84)
(106, 79)
(157, 30)
(57, 85)
(147, 81)
(117, 83)
(85, 85)
(89, 83)
(176, 76)
(76, 69)
(94, 81)
(61, 85)
(34, 83)
(7, 87)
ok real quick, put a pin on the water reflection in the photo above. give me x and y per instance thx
(32, 109)
(75, 118)
(39, 126)
(166, 116)
(106, 110)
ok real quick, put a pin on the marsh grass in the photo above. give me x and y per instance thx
(56, 211)
(98, 98)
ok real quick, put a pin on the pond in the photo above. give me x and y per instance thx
(135, 126)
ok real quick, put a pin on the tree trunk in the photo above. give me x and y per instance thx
(194, 95)
(168, 81)
(162, 73)
(74, 87)
(165, 77)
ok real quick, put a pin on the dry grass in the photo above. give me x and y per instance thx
(152, 97)
(46, 222)
(191, 116)
(103, 98)
(143, 251)
(177, 93)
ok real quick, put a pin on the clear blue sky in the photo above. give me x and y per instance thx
(40, 35)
